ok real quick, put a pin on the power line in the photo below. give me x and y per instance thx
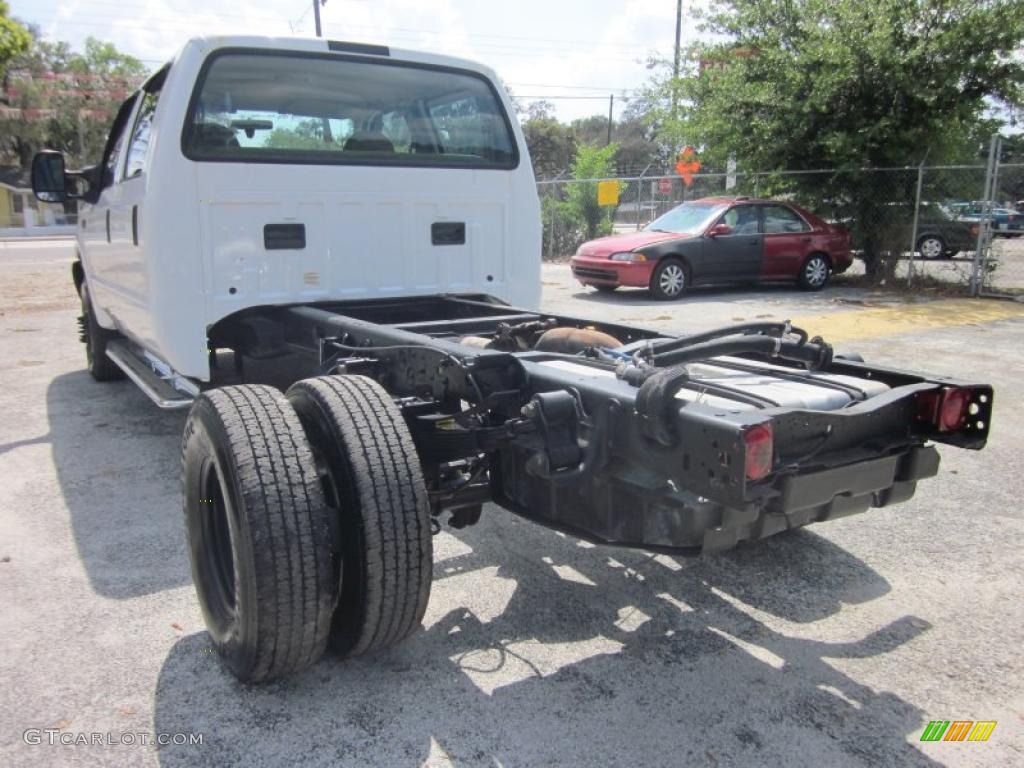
(568, 98)
(496, 50)
(249, 16)
(490, 43)
(604, 88)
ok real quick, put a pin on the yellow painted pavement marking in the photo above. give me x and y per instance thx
(908, 318)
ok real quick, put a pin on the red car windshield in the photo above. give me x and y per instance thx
(688, 217)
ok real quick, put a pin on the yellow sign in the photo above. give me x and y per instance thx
(607, 193)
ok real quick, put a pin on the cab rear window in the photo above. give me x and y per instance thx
(305, 108)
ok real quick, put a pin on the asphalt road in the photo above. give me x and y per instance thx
(832, 646)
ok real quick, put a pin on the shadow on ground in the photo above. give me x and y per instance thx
(118, 465)
(639, 297)
(540, 650)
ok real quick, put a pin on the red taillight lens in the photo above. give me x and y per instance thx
(759, 441)
(945, 409)
(953, 409)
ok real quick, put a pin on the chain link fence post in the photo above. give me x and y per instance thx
(984, 224)
(917, 214)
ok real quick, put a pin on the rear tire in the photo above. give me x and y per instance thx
(815, 272)
(374, 485)
(258, 532)
(95, 338)
(669, 279)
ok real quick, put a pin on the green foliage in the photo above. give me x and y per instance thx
(571, 214)
(844, 84)
(563, 229)
(591, 163)
(14, 38)
(552, 144)
(308, 134)
(65, 100)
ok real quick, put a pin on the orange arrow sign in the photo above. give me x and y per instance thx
(688, 165)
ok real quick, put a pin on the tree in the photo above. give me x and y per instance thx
(62, 99)
(637, 148)
(592, 164)
(552, 145)
(570, 213)
(14, 38)
(591, 130)
(844, 84)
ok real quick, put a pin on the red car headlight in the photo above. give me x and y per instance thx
(628, 256)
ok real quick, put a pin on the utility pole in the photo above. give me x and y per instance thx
(319, 32)
(675, 65)
(679, 29)
(611, 104)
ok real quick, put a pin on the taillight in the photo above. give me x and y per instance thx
(945, 409)
(759, 443)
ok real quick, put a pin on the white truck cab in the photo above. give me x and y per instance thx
(264, 171)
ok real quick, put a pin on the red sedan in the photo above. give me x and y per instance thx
(718, 240)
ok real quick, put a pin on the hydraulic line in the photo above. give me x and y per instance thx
(768, 329)
(816, 354)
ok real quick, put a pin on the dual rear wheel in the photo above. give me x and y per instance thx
(308, 522)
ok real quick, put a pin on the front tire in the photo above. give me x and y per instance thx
(815, 272)
(95, 337)
(669, 280)
(931, 247)
(258, 532)
(375, 488)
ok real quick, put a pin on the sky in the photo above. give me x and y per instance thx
(572, 52)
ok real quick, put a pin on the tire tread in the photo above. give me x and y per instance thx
(282, 502)
(391, 496)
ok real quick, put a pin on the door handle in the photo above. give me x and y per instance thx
(135, 225)
(806, 239)
(755, 241)
(108, 225)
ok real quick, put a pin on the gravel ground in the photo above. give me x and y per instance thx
(834, 645)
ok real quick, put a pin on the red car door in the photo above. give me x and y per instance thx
(787, 240)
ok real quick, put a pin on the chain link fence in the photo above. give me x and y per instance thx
(951, 227)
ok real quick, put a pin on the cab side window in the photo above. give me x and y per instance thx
(136, 162)
(779, 219)
(114, 158)
(116, 142)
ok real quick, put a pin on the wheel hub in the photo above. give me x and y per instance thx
(816, 271)
(672, 280)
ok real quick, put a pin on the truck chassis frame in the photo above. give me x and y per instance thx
(587, 454)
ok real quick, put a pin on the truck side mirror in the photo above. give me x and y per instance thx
(719, 229)
(49, 183)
